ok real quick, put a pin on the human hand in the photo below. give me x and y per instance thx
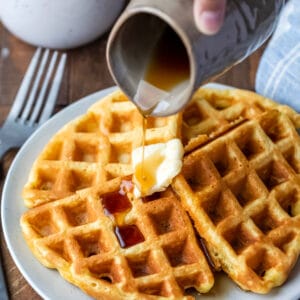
(209, 15)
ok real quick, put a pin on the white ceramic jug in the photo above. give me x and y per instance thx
(59, 24)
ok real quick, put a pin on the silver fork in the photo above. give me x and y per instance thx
(35, 100)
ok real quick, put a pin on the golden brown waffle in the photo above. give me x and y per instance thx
(242, 191)
(213, 112)
(240, 187)
(69, 227)
(116, 247)
(94, 148)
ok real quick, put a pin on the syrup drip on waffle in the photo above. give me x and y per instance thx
(146, 170)
(117, 205)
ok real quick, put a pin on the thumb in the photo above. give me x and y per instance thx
(209, 15)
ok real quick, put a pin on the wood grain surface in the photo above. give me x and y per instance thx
(86, 72)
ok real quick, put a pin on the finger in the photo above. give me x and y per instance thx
(209, 15)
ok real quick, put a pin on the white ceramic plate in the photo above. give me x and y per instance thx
(48, 283)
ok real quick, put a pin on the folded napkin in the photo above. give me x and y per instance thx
(278, 75)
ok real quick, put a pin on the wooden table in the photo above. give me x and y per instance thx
(86, 72)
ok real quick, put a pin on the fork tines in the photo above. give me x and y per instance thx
(36, 97)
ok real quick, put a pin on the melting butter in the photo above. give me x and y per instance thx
(162, 162)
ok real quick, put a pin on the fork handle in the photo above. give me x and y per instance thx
(3, 288)
(3, 149)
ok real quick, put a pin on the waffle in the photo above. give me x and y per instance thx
(116, 247)
(242, 192)
(239, 184)
(213, 112)
(70, 226)
(94, 148)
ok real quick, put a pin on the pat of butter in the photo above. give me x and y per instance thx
(162, 162)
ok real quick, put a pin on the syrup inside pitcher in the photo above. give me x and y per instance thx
(166, 74)
(151, 64)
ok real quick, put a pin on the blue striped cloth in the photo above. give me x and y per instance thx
(278, 75)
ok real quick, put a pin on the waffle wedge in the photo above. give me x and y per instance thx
(114, 246)
(85, 222)
(242, 192)
(213, 112)
(94, 148)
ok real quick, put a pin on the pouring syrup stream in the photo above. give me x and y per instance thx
(168, 67)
